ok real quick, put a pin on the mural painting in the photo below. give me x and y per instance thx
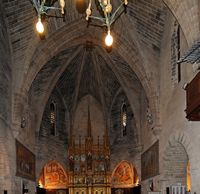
(53, 176)
(122, 176)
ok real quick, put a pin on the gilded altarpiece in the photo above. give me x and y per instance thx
(89, 166)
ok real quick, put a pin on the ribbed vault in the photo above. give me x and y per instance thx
(138, 35)
(83, 70)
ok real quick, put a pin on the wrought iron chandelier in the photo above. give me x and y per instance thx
(42, 7)
(107, 15)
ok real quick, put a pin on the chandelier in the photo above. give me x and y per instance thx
(43, 7)
(107, 15)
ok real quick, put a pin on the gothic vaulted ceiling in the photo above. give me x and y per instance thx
(87, 73)
(74, 59)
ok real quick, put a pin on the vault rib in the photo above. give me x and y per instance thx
(100, 84)
(77, 88)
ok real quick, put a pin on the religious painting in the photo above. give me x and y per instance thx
(150, 161)
(122, 176)
(25, 162)
(55, 176)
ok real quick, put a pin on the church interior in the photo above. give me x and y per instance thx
(82, 116)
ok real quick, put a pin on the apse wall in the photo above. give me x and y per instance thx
(80, 124)
(53, 147)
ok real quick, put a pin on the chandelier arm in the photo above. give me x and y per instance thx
(35, 4)
(54, 8)
(90, 4)
(107, 20)
(102, 6)
(97, 18)
(114, 14)
(54, 16)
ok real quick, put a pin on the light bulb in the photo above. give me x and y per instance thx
(62, 5)
(88, 13)
(105, 2)
(109, 39)
(108, 8)
(39, 26)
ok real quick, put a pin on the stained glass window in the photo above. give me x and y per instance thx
(124, 119)
(53, 118)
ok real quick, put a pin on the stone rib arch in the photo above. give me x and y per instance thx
(181, 9)
(54, 45)
(43, 99)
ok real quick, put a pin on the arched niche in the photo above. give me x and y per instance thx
(53, 176)
(177, 165)
(124, 176)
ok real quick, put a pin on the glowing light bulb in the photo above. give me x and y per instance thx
(88, 13)
(39, 26)
(108, 8)
(62, 5)
(109, 39)
(105, 2)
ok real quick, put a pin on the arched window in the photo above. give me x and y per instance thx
(53, 118)
(124, 119)
(175, 53)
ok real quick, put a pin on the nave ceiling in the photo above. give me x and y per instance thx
(60, 60)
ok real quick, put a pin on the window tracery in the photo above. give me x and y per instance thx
(124, 118)
(53, 118)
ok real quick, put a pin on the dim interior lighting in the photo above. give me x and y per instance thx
(108, 15)
(109, 39)
(39, 26)
(42, 8)
(62, 5)
(40, 185)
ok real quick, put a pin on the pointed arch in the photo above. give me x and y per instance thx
(124, 175)
(178, 152)
(53, 176)
(123, 119)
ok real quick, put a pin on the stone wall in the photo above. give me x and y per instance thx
(175, 127)
(5, 70)
(80, 124)
(124, 147)
(50, 147)
(6, 137)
